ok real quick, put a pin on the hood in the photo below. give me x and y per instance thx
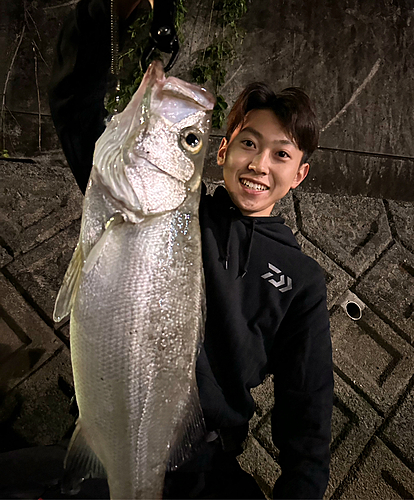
(271, 227)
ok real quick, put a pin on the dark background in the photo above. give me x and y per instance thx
(354, 214)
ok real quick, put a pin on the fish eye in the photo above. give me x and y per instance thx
(191, 141)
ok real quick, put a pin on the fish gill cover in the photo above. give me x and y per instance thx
(154, 150)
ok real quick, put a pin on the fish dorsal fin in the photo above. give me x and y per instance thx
(192, 433)
(67, 292)
(80, 463)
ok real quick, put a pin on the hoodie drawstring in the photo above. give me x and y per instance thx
(243, 269)
(227, 256)
(249, 251)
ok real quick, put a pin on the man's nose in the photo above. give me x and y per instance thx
(260, 163)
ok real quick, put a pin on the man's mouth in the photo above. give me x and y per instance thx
(253, 185)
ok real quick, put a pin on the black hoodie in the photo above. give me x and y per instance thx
(266, 300)
(266, 314)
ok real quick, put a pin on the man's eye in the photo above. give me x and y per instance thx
(283, 154)
(248, 143)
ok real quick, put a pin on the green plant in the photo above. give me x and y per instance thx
(211, 62)
(129, 64)
(129, 61)
(219, 113)
(4, 153)
(209, 65)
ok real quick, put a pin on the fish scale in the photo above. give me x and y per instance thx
(120, 325)
(135, 292)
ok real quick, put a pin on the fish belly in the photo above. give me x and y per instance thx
(135, 330)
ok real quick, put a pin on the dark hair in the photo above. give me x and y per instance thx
(292, 107)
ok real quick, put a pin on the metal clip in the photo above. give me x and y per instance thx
(149, 49)
(162, 34)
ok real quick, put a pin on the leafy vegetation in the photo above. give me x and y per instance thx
(210, 64)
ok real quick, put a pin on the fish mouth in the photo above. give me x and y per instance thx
(189, 92)
(254, 185)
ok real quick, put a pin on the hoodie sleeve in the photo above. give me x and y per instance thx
(79, 83)
(303, 379)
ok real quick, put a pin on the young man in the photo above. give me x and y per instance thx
(266, 301)
(261, 158)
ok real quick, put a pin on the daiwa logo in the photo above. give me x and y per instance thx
(280, 280)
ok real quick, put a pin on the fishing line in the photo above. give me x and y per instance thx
(115, 52)
(209, 30)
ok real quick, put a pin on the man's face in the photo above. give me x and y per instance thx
(260, 163)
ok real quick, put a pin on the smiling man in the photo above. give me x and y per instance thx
(260, 163)
(261, 155)
(266, 300)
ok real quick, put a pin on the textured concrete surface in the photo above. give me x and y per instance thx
(31, 214)
(371, 356)
(42, 402)
(353, 229)
(40, 271)
(401, 222)
(380, 475)
(372, 437)
(257, 462)
(337, 280)
(358, 68)
(389, 288)
(337, 171)
(26, 342)
(354, 422)
(399, 432)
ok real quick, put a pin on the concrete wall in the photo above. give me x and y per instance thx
(356, 59)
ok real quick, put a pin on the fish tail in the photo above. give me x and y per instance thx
(80, 463)
(192, 432)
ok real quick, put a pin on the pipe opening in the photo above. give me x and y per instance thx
(353, 310)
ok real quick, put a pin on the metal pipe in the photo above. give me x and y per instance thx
(352, 305)
(353, 310)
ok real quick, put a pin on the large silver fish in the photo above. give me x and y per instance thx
(134, 289)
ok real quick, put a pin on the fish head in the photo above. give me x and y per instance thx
(155, 148)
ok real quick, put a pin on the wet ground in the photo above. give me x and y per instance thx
(366, 248)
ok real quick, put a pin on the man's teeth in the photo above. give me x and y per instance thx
(253, 185)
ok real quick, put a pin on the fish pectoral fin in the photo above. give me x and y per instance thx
(78, 265)
(191, 432)
(80, 463)
(96, 250)
(67, 292)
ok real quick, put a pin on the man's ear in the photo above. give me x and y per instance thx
(221, 154)
(302, 172)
